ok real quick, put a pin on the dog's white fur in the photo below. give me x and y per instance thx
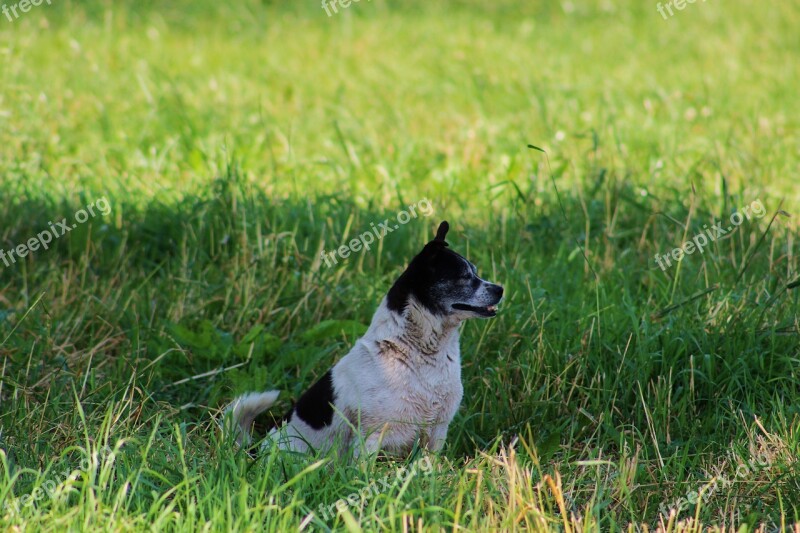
(400, 381)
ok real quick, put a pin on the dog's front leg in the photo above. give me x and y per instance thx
(371, 445)
(436, 433)
(435, 436)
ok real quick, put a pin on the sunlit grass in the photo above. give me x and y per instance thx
(235, 142)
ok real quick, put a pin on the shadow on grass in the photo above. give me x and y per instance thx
(198, 300)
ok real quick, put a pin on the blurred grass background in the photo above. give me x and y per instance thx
(235, 142)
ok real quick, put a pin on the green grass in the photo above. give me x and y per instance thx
(235, 142)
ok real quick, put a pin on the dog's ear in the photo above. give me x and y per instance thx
(442, 231)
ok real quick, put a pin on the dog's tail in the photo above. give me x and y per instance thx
(241, 413)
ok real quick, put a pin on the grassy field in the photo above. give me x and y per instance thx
(223, 147)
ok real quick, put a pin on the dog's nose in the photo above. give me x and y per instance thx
(497, 290)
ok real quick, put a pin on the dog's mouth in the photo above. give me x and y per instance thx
(488, 310)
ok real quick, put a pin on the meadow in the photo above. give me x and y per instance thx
(571, 145)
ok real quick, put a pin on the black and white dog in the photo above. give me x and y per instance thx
(402, 379)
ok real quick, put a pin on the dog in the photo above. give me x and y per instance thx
(401, 381)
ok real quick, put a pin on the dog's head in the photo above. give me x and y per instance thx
(445, 284)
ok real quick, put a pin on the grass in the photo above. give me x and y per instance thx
(235, 142)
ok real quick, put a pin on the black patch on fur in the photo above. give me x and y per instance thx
(315, 406)
(427, 273)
